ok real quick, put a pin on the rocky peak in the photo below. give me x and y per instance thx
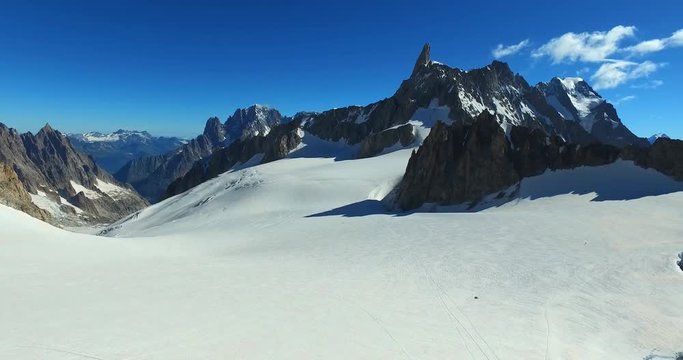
(423, 59)
(47, 131)
(253, 121)
(502, 69)
(214, 130)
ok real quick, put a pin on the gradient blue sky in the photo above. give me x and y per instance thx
(166, 66)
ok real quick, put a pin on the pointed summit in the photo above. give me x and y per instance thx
(423, 59)
(46, 130)
(215, 130)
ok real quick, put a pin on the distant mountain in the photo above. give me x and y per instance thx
(58, 183)
(654, 137)
(151, 175)
(112, 151)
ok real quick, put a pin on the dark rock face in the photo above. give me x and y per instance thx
(274, 146)
(465, 162)
(112, 151)
(47, 163)
(150, 176)
(423, 59)
(665, 156)
(214, 130)
(458, 163)
(375, 143)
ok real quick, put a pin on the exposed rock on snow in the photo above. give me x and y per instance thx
(376, 143)
(275, 145)
(665, 156)
(463, 163)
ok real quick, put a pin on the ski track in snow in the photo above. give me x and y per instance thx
(237, 268)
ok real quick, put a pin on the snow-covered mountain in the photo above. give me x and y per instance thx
(118, 135)
(575, 100)
(283, 246)
(654, 137)
(113, 150)
(568, 108)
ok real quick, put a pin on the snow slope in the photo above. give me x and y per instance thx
(295, 259)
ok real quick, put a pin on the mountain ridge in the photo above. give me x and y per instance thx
(61, 181)
(568, 108)
(113, 150)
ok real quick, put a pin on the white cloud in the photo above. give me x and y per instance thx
(502, 50)
(587, 46)
(647, 47)
(655, 45)
(624, 99)
(652, 84)
(677, 38)
(616, 72)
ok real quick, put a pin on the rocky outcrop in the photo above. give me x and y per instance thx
(152, 175)
(665, 156)
(458, 163)
(214, 130)
(49, 168)
(13, 194)
(376, 143)
(465, 162)
(274, 146)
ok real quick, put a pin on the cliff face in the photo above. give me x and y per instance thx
(15, 196)
(57, 178)
(463, 163)
(665, 156)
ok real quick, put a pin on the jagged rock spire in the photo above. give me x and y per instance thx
(214, 130)
(423, 59)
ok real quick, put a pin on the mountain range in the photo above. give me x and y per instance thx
(563, 123)
(568, 108)
(113, 150)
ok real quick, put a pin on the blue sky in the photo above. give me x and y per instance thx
(166, 66)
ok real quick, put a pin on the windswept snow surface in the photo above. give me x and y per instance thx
(294, 260)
